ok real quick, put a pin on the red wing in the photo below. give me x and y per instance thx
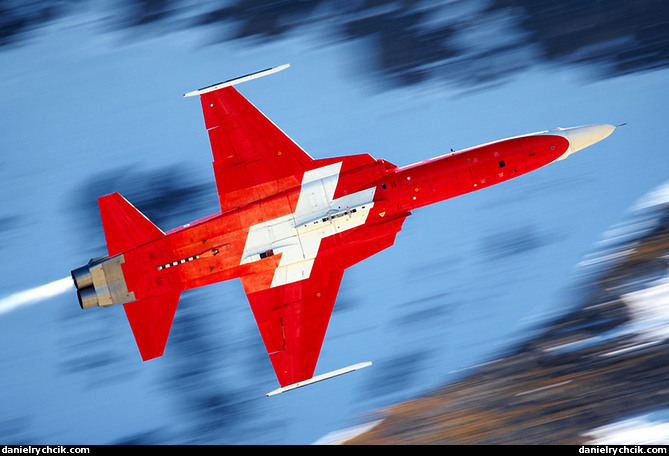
(253, 158)
(293, 318)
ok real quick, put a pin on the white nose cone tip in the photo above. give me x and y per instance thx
(582, 137)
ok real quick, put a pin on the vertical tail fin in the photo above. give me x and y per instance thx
(150, 317)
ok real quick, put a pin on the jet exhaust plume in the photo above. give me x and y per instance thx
(35, 295)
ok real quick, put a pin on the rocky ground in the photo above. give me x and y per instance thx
(602, 362)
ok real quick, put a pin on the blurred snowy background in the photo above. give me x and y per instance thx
(92, 103)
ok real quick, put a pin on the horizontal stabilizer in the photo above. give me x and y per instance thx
(231, 82)
(151, 321)
(125, 227)
(320, 378)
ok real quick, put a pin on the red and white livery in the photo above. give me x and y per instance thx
(289, 225)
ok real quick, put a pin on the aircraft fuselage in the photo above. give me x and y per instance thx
(289, 226)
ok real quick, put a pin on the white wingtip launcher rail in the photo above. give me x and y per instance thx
(239, 80)
(320, 378)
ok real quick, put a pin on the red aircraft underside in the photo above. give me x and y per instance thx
(288, 226)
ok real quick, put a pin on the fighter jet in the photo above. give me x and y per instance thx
(288, 226)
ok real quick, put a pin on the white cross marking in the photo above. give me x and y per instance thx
(298, 236)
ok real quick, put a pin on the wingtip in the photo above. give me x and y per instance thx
(239, 80)
(320, 378)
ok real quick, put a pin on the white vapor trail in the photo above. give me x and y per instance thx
(35, 295)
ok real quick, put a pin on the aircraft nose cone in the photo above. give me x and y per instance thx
(582, 137)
